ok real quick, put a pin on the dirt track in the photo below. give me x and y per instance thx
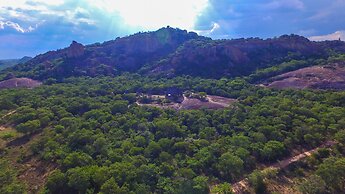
(8, 114)
(3, 128)
(241, 186)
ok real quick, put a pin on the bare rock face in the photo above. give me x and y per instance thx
(75, 50)
(19, 83)
(318, 77)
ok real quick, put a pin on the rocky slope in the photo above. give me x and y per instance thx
(123, 54)
(240, 57)
(19, 83)
(174, 52)
(318, 77)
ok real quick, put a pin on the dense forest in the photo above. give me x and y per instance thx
(101, 141)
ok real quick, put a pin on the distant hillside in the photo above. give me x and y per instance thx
(128, 54)
(172, 52)
(11, 62)
(231, 58)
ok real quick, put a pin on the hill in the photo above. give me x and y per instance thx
(127, 54)
(12, 62)
(173, 52)
(240, 57)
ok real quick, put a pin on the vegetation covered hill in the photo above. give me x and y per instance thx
(126, 54)
(241, 57)
(174, 52)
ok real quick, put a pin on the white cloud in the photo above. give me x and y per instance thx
(334, 36)
(145, 15)
(216, 26)
(15, 26)
(153, 14)
(30, 4)
(18, 13)
(50, 2)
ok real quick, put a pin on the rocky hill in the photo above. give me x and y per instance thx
(174, 52)
(240, 57)
(123, 54)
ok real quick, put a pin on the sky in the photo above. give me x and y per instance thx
(31, 27)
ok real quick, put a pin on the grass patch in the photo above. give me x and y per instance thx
(8, 134)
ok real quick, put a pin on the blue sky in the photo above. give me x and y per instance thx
(30, 27)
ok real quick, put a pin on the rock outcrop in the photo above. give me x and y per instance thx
(318, 77)
(19, 83)
(75, 50)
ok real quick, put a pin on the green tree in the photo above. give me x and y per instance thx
(79, 179)
(273, 150)
(230, 166)
(111, 187)
(332, 171)
(75, 159)
(167, 128)
(153, 150)
(340, 136)
(256, 180)
(29, 126)
(208, 133)
(313, 185)
(223, 188)
(56, 182)
(119, 107)
(200, 184)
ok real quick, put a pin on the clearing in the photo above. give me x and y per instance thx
(212, 102)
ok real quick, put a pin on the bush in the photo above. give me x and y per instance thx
(29, 127)
(256, 180)
(223, 188)
(313, 185)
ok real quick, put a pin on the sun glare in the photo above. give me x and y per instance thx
(153, 14)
